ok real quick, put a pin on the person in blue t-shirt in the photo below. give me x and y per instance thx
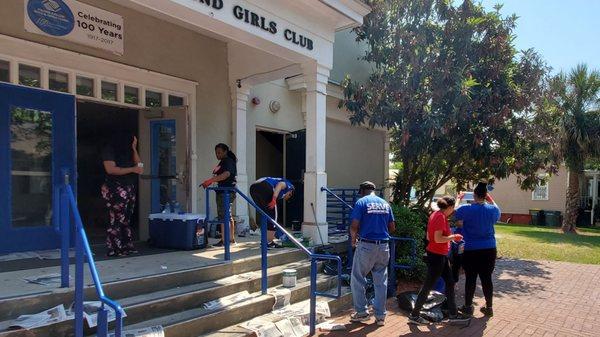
(265, 192)
(479, 259)
(372, 223)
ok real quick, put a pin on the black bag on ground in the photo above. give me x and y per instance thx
(432, 309)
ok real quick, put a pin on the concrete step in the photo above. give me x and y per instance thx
(335, 306)
(176, 292)
(13, 307)
(199, 321)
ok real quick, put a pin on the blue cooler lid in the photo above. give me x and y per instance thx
(175, 216)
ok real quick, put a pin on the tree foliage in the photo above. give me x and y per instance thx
(459, 100)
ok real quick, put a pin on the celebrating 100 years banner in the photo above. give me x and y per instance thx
(75, 21)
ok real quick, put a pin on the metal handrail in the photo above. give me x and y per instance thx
(314, 258)
(349, 248)
(393, 265)
(330, 191)
(68, 207)
(397, 266)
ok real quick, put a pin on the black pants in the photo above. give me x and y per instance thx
(437, 266)
(480, 263)
(262, 194)
(456, 265)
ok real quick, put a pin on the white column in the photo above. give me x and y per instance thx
(315, 176)
(239, 107)
(387, 191)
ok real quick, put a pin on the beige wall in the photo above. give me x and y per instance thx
(512, 199)
(164, 48)
(354, 154)
(288, 118)
(346, 52)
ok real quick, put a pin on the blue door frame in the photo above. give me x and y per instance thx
(155, 127)
(62, 110)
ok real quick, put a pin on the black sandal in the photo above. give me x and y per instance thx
(113, 253)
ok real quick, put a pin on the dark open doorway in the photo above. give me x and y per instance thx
(95, 124)
(270, 160)
(284, 155)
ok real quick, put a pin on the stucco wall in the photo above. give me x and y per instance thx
(354, 154)
(165, 48)
(346, 54)
(512, 199)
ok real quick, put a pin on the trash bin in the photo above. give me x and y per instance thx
(553, 218)
(178, 231)
(537, 217)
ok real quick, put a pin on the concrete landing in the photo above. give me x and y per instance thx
(118, 269)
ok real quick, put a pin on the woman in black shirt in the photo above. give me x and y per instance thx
(122, 165)
(224, 174)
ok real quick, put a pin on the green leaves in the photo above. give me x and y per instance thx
(461, 103)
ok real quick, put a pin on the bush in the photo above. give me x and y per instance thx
(410, 223)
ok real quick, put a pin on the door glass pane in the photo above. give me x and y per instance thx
(167, 162)
(58, 81)
(175, 100)
(132, 95)
(85, 86)
(4, 71)
(29, 76)
(31, 158)
(109, 91)
(153, 99)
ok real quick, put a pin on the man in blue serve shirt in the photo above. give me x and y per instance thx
(372, 223)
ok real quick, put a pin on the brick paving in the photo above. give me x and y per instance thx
(532, 298)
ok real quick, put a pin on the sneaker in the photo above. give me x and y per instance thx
(380, 321)
(487, 311)
(360, 317)
(417, 320)
(273, 245)
(459, 319)
(467, 311)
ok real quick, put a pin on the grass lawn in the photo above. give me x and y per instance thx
(547, 243)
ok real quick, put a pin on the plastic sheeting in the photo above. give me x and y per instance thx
(432, 309)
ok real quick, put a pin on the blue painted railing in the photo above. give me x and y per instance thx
(314, 258)
(68, 212)
(341, 194)
(394, 265)
(338, 206)
(339, 209)
(346, 211)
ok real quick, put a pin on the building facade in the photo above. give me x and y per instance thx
(182, 75)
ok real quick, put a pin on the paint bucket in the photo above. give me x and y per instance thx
(289, 278)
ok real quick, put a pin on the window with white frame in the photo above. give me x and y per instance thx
(34, 75)
(541, 191)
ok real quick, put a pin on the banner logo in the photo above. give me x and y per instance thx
(53, 17)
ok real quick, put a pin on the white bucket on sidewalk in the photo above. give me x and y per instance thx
(289, 278)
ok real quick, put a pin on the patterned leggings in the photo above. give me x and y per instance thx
(120, 202)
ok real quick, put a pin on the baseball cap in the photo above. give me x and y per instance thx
(367, 185)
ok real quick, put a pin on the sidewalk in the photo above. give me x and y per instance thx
(532, 298)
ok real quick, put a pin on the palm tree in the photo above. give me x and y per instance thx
(577, 99)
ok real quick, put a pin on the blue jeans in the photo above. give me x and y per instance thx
(369, 257)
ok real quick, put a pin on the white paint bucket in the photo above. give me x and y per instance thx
(289, 278)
